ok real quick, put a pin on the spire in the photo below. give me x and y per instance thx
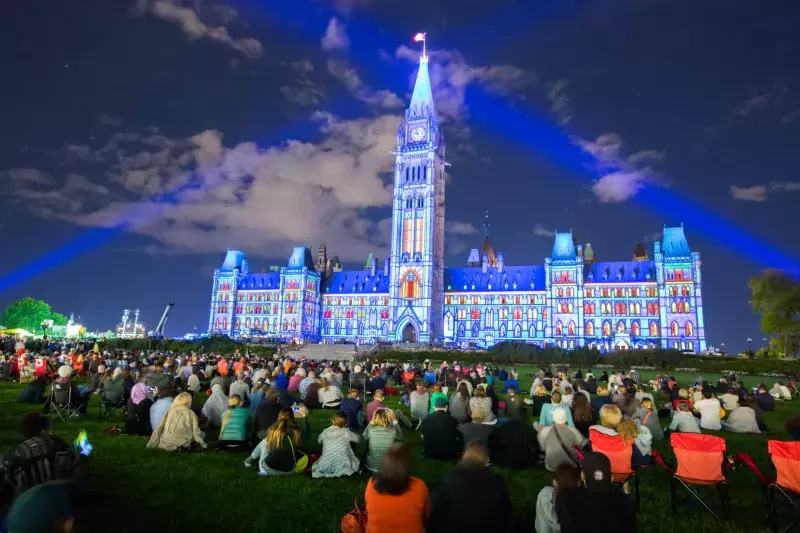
(422, 97)
(486, 247)
(486, 224)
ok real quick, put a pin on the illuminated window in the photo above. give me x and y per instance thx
(589, 328)
(674, 329)
(448, 324)
(407, 234)
(592, 308)
(620, 327)
(653, 329)
(686, 307)
(410, 286)
(571, 328)
(517, 313)
(689, 329)
(475, 314)
(224, 323)
(559, 328)
(419, 237)
(517, 331)
(635, 328)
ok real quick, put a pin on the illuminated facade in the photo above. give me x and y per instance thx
(571, 300)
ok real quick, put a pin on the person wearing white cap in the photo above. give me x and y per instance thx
(557, 441)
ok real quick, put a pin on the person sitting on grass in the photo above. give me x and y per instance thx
(513, 443)
(235, 426)
(459, 403)
(600, 400)
(329, 395)
(450, 511)
(295, 377)
(179, 429)
(579, 509)
(436, 393)
(257, 395)
(46, 508)
(278, 453)
(419, 401)
(440, 436)
(582, 414)
(395, 501)
(546, 416)
(683, 421)
(65, 391)
(137, 415)
(613, 424)
(241, 388)
(215, 406)
(380, 434)
(765, 399)
(649, 418)
(539, 396)
(354, 408)
(556, 441)
(40, 458)
(478, 429)
(708, 408)
(565, 477)
(377, 403)
(742, 419)
(338, 458)
(482, 402)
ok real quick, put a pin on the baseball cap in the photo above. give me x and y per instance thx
(597, 472)
(440, 403)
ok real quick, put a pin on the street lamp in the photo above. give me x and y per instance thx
(46, 324)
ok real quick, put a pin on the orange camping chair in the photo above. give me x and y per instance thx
(620, 455)
(701, 463)
(786, 459)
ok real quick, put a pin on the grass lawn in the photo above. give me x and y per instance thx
(136, 489)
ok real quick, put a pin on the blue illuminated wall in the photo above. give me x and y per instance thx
(571, 300)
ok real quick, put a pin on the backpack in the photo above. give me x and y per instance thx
(356, 520)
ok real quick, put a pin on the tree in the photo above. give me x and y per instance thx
(776, 297)
(59, 319)
(26, 313)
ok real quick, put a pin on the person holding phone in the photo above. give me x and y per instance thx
(278, 454)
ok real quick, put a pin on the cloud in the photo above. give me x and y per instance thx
(454, 227)
(761, 101)
(652, 237)
(788, 186)
(788, 118)
(451, 75)
(541, 231)
(198, 195)
(304, 92)
(335, 37)
(188, 19)
(622, 177)
(559, 101)
(756, 193)
(346, 6)
(382, 98)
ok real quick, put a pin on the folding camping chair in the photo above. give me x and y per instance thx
(701, 463)
(786, 459)
(113, 409)
(620, 455)
(64, 410)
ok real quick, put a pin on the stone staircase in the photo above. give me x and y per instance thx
(331, 352)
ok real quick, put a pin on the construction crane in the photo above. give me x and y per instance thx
(159, 331)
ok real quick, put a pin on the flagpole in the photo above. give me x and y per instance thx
(424, 45)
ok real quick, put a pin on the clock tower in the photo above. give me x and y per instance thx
(417, 259)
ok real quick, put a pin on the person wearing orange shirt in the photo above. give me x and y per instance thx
(222, 367)
(397, 502)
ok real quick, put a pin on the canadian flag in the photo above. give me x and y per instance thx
(420, 37)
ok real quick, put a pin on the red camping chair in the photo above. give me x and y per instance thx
(701, 463)
(786, 459)
(620, 455)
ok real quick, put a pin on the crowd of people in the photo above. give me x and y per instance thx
(260, 406)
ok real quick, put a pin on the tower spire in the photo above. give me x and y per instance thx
(486, 224)
(422, 97)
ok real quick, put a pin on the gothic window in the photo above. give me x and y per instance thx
(258, 324)
(589, 328)
(216, 324)
(474, 329)
(674, 307)
(531, 312)
(294, 325)
(620, 327)
(475, 313)
(592, 308)
(686, 307)
(421, 202)
(559, 328)
(502, 330)
(638, 308)
(532, 331)
(619, 293)
(560, 293)
(461, 330)
(569, 293)
(674, 329)
(237, 324)
(489, 319)
(689, 329)
(571, 328)
(385, 329)
(517, 331)
(348, 328)
(224, 323)
(606, 328)
(337, 328)
(653, 328)
(448, 324)
(419, 236)
(517, 313)
(360, 328)
(586, 308)
(410, 286)
(503, 313)
(569, 307)
(475, 300)
(635, 328)
(285, 324)
(384, 314)
(265, 326)
(623, 308)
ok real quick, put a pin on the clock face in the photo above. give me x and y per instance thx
(418, 134)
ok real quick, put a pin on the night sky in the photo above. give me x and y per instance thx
(140, 140)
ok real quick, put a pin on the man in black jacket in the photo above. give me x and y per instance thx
(513, 445)
(440, 436)
(454, 507)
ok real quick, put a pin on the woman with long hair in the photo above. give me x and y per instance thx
(329, 395)
(482, 402)
(381, 433)
(279, 452)
(337, 457)
(565, 477)
(137, 416)
(235, 427)
(179, 429)
(459, 403)
(612, 423)
(215, 406)
(582, 414)
(397, 502)
(540, 397)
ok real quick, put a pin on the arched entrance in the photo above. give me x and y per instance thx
(409, 333)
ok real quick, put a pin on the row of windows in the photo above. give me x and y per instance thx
(503, 313)
(679, 275)
(354, 313)
(416, 174)
(502, 299)
(349, 300)
(620, 292)
(415, 202)
(348, 329)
